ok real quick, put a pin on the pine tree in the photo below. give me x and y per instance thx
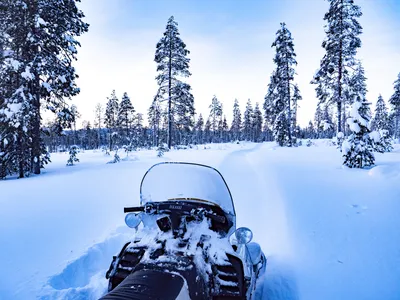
(207, 131)
(37, 74)
(125, 116)
(395, 103)
(72, 156)
(285, 60)
(319, 121)
(215, 116)
(98, 121)
(381, 118)
(380, 124)
(154, 117)
(248, 122)
(184, 111)
(357, 149)
(296, 97)
(236, 121)
(172, 62)
(340, 44)
(257, 123)
(199, 130)
(225, 130)
(111, 118)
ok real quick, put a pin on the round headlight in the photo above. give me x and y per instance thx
(243, 235)
(133, 220)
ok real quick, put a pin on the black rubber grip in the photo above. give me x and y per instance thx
(133, 209)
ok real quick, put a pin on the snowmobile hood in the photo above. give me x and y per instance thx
(177, 181)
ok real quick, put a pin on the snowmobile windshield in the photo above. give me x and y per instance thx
(185, 182)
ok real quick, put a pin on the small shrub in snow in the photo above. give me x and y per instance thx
(162, 149)
(381, 141)
(339, 140)
(72, 156)
(116, 158)
(357, 149)
(309, 143)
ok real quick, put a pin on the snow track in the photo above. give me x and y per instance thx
(260, 207)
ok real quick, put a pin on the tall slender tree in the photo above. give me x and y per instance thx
(248, 122)
(236, 121)
(380, 121)
(215, 116)
(125, 116)
(341, 44)
(172, 63)
(283, 94)
(111, 118)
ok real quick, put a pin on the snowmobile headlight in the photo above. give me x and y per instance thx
(133, 220)
(243, 235)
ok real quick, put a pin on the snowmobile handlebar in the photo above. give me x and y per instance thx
(133, 209)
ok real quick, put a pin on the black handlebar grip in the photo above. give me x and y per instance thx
(133, 209)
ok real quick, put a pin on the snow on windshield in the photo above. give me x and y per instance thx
(166, 181)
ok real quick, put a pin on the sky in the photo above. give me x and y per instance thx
(230, 49)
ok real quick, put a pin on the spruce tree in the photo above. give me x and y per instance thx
(285, 60)
(248, 122)
(215, 116)
(154, 117)
(319, 121)
(357, 149)
(184, 111)
(199, 130)
(236, 121)
(172, 63)
(381, 118)
(395, 104)
(341, 44)
(257, 123)
(111, 118)
(37, 74)
(125, 116)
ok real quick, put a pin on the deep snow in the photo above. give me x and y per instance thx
(329, 232)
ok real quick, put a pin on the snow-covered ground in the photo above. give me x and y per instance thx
(329, 232)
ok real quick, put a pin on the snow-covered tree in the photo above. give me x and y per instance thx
(207, 131)
(381, 118)
(215, 115)
(248, 122)
(341, 43)
(154, 118)
(125, 116)
(395, 104)
(236, 121)
(319, 121)
(199, 129)
(257, 122)
(357, 149)
(283, 94)
(98, 122)
(111, 117)
(39, 47)
(172, 63)
(73, 151)
(184, 111)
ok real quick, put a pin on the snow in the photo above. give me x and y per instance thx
(376, 136)
(27, 74)
(328, 232)
(47, 86)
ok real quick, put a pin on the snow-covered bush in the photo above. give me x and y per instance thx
(162, 149)
(309, 143)
(72, 156)
(381, 141)
(339, 140)
(357, 149)
(116, 158)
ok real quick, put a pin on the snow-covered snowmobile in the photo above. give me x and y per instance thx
(186, 244)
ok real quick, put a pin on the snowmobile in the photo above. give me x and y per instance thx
(186, 245)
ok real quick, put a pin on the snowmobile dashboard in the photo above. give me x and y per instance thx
(190, 210)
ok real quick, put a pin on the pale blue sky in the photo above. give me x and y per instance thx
(230, 44)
